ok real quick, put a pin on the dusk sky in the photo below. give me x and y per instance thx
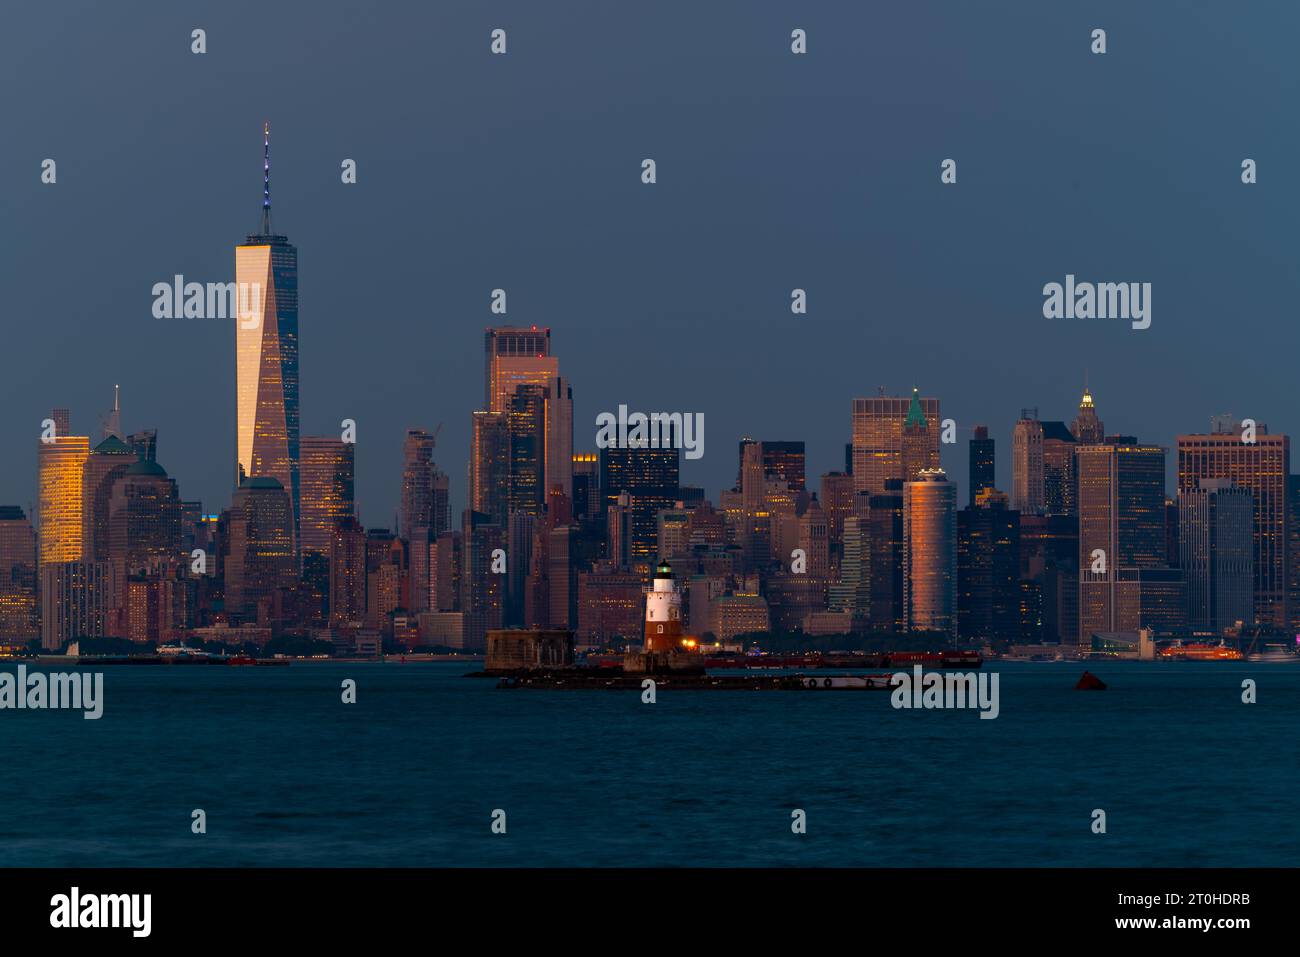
(775, 171)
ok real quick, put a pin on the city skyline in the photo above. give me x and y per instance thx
(907, 285)
(957, 451)
(520, 494)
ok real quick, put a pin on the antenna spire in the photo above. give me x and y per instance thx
(266, 179)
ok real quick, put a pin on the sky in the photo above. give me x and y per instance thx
(775, 171)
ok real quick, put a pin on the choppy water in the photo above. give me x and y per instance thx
(410, 774)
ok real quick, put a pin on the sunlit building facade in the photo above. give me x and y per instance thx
(513, 356)
(266, 356)
(930, 553)
(61, 465)
(878, 427)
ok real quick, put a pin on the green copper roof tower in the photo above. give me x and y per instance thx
(915, 414)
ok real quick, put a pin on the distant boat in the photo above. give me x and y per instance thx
(181, 651)
(1273, 654)
(1201, 651)
(848, 682)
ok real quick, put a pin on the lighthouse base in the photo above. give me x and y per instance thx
(662, 662)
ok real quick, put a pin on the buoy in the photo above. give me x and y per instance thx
(1090, 682)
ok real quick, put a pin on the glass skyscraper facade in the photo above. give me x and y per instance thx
(878, 425)
(1261, 466)
(930, 553)
(266, 356)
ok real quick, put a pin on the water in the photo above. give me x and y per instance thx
(410, 775)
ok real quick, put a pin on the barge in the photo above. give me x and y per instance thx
(600, 679)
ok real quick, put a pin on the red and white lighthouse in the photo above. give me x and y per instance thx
(663, 611)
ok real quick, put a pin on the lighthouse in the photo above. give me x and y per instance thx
(663, 611)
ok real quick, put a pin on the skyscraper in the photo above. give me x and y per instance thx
(587, 503)
(526, 422)
(419, 481)
(515, 355)
(261, 555)
(144, 521)
(919, 448)
(61, 460)
(988, 568)
(878, 425)
(17, 576)
(1293, 551)
(1121, 532)
(347, 576)
(982, 462)
(563, 564)
(1086, 428)
(930, 553)
(1261, 466)
(1216, 523)
(765, 466)
(558, 473)
(1027, 492)
(328, 476)
(1060, 485)
(837, 501)
(113, 420)
(74, 602)
(489, 466)
(106, 462)
(651, 477)
(851, 590)
(887, 609)
(482, 589)
(266, 355)
(814, 540)
(1049, 573)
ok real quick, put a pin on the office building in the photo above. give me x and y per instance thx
(328, 478)
(266, 353)
(930, 553)
(1216, 524)
(878, 429)
(1262, 467)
